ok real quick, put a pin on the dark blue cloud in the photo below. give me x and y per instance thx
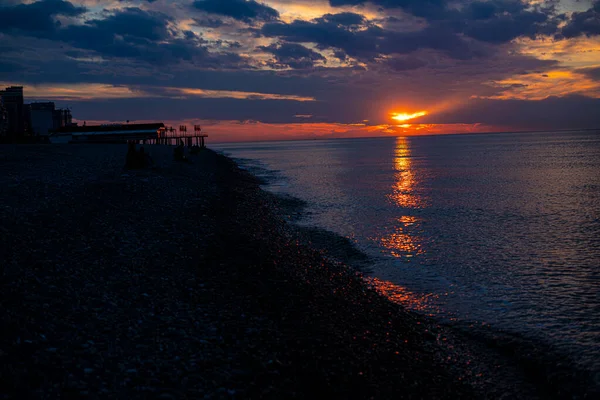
(419, 8)
(141, 35)
(360, 44)
(209, 22)
(293, 55)
(439, 38)
(241, 10)
(270, 111)
(369, 42)
(482, 10)
(569, 112)
(405, 63)
(492, 21)
(500, 21)
(129, 33)
(583, 23)
(345, 18)
(134, 22)
(36, 18)
(592, 73)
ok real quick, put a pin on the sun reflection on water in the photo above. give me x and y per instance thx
(401, 242)
(400, 295)
(403, 190)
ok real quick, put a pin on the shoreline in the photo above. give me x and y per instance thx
(186, 281)
(548, 372)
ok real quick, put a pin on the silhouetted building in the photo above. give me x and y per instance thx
(62, 118)
(3, 119)
(45, 118)
(13, 102)
(42, 118)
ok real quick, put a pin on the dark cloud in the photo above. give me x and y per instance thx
(419, 8)
(134, 22)
(242, 10)
(500, 21)
(36, 18)
(583, 23)
(142, 35)
(271, 111)
(569, 112)
(592, 73)
(360, 44)
(370, 41)
(405, 63)
(293, 55)
(344, 18)
(482, 10)
(433, 37)
(129, 33)
(209, 22)
(493, 21)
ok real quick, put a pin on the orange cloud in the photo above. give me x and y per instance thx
(539, 86)
(92, 91)
(213, 94)
(574, 53)
(78, 91)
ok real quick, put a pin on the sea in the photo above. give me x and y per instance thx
(498, 230)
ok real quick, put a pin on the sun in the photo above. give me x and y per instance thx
(406, 117)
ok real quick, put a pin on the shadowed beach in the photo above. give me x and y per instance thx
(186, 281)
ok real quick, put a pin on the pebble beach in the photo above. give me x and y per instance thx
(187, 280)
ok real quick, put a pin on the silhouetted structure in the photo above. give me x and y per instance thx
(46, 118)
(3, 119)
(116, 133)
(42, 118)
(12, 98)
(170, 136)
(137, 158)
(62, 117)
(179, 152)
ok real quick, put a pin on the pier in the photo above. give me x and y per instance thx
(153, 133)
(171, 136)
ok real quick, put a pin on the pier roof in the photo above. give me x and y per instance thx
(111, 129)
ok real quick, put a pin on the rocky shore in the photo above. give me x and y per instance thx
(184, 281)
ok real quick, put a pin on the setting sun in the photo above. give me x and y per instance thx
(405, 116)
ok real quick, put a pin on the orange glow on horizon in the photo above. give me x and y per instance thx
(406, 116)
(251, 131)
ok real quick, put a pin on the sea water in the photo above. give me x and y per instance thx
(494, 229)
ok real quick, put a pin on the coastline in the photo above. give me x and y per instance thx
(495, 363)
(186, 281)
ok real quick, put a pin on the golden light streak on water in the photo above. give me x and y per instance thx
(401, 243)
(403, 189)
(401, 295)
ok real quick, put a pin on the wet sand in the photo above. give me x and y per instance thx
(186, 281)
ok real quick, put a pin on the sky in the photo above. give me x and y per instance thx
(283, 69)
